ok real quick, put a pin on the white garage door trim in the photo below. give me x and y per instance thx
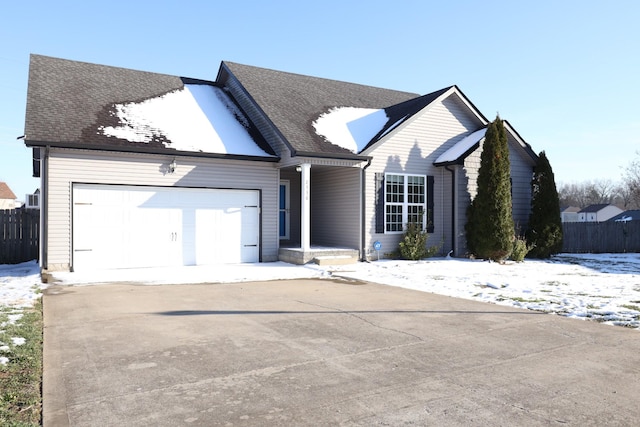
(117, 226)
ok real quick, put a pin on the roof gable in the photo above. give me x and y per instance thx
(5, 192)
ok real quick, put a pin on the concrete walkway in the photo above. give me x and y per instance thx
(319, 352)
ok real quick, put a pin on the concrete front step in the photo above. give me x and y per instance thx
(335, 260)
(325, 255)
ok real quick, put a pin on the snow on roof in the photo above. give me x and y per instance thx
(461, 147)
(624, 219)
(198, 118)
(350, 127)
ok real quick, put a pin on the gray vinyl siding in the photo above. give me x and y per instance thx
(294, 204)
(73, 166)
(412, 149)
(335, 207)
(468, 187)
(521, 174)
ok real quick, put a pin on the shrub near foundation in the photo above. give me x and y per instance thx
(413, 245)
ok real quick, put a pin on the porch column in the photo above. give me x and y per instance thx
(305, 206)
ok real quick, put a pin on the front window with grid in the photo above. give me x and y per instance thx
(405, 197)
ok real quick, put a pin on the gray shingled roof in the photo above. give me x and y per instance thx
(69, 101)
(293, 102)
(630, 215)
(594, 208)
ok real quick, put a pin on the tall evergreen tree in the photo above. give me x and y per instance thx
(545, 227)
(489, 229)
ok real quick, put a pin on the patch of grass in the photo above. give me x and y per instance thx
(553, 283)
(520, 299)
(21, 377)
(631, 307)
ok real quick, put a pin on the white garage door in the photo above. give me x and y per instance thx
(130, 227)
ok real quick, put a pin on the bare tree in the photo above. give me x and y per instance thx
(631, 182)
(603, 190)
(588, 193)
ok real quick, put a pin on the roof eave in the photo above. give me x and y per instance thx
(527, 148)
(460, 159)
(339, 156)
(149, 150)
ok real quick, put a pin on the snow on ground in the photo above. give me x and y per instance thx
(18, 284)
(603, 287)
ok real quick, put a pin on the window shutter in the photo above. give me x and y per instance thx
(379, 202)
(430, 204)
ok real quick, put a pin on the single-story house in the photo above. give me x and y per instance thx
(569, 214)
(599, 212)
(629, 215)
(144, 169)
(7, 197)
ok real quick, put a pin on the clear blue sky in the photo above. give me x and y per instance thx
(566, 74)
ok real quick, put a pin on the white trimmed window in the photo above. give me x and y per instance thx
(405, 201)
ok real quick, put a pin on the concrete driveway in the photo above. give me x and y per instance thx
(320, 352)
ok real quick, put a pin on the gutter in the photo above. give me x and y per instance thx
(363, 185)
(150, 150)
(453, 209)
(338, 156)
(44, 200)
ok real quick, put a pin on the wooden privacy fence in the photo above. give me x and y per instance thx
(601, 237)
(19, 231)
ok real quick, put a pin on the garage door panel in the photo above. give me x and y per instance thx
(122, 226)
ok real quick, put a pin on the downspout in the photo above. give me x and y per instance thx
(363, 184)
(453, 209)
(44, 199)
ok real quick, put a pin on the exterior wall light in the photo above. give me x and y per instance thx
(172, 166)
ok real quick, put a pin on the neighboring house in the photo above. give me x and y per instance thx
(7, 197)
(32, 201)
(569, 214)
(598, 213)
(141, 169)
(630, 215)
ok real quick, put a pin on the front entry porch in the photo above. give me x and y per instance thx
(320, 211)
